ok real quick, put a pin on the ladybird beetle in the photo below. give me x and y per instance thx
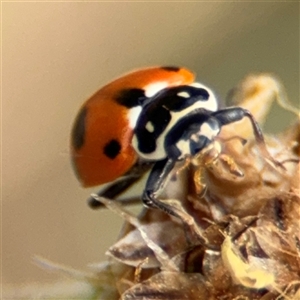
(152, 117)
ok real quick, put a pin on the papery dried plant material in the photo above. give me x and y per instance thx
(170, 285)
(226, 274)
(161, 255)
(133, 250)
(278, 234)
(241, 271)
(257, 92)
(267, 254)
(236, 177)
(214, 271)
(227, 192)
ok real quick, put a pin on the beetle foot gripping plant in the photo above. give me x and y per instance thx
(238, 231)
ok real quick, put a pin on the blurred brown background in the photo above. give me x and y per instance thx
(54, 55)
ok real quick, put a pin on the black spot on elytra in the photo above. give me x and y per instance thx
(112, 149)
(171, 68)
(131, 97)
(78, 132)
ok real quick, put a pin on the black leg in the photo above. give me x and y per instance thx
(155, 182)
(234, 114)
(117, 188)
